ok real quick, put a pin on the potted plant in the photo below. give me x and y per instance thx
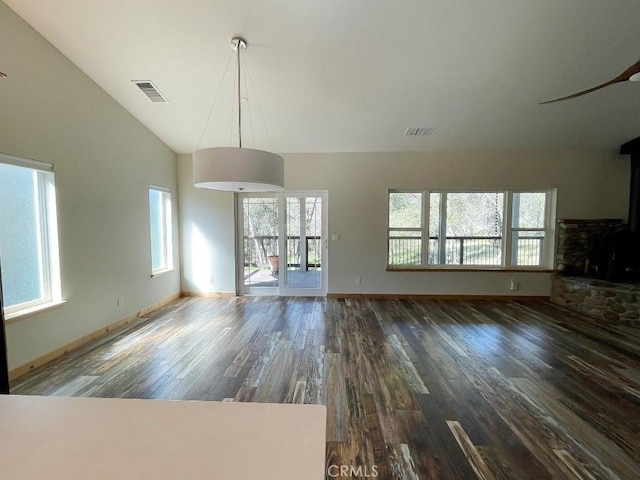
(274, 263)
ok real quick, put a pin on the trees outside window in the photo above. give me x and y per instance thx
(494, 229)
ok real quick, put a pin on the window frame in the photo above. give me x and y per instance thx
(422, 229)
(166, 230)
(47, 238)
(549, 220)
(507, 261)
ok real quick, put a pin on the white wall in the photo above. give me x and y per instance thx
(590, 183)
(206, 229)
(104, 160)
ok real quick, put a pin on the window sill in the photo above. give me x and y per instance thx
(162, 273)
(469, 269)
(30, 312)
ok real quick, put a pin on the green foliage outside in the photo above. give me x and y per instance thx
(261, 234)
(473, 230)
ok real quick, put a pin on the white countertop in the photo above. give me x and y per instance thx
(94, 438)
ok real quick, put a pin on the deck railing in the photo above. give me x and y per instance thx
(257, 248)
(465, 250)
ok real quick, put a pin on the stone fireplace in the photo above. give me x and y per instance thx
(598, 261)
(583, 246)
(598, 299)
(584, 271)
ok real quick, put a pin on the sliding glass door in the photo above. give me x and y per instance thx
(305, 254)
(259, 250)
(282, 247)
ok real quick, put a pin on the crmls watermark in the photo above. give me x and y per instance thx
(350, 471)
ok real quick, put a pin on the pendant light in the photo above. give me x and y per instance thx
(238, 169)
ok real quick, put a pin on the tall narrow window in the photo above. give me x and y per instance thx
(28, 235)
(405, 228)
(529, 228)
(160, 221)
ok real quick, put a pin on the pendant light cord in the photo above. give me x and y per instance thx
(255, 95)
(204, 129)
(238, 44)
(239, 99)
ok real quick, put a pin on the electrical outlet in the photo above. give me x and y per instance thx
(358, 279)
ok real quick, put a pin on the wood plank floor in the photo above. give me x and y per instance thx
(414, 389)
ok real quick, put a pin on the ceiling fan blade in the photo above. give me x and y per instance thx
(623, 77)
(606, 84)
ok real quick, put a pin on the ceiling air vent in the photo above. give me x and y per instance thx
(418, 131)
(150, 90)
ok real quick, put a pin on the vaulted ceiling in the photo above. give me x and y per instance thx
(353, 75)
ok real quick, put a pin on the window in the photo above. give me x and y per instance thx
(405, 228)
(160, 220)
(472, 229)
(28, 235)
(529, 227)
